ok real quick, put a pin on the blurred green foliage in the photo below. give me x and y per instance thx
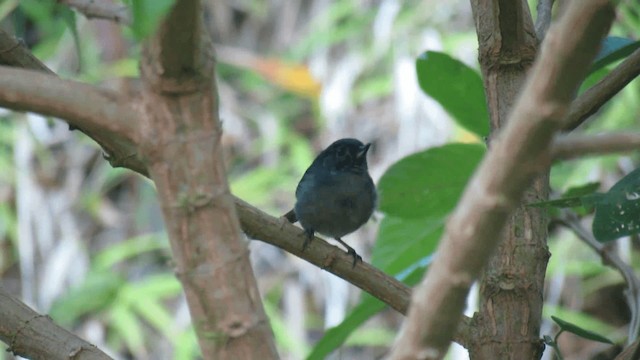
(147, 15)
(416, 194)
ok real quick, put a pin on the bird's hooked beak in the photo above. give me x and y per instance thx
(363, 151)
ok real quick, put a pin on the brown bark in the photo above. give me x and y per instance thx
(515, 158)
(510, 308)
(180, 142)
(35, 336)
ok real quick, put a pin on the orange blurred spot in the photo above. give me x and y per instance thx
(293, 77)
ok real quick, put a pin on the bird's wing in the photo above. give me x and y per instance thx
(308, 178)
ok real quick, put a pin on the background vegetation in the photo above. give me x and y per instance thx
(84, 242)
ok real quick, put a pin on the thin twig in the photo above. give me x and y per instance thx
(596, 96)
(573, 146)
(544, 9)
(610, 258)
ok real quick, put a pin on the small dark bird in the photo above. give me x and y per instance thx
(336, 194)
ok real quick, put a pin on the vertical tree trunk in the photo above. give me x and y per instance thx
(508, 321)
(180, 140)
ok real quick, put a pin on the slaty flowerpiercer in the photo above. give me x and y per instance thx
(336, 194)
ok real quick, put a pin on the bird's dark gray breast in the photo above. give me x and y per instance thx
(339, 204)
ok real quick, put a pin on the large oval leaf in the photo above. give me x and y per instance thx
(457, 87)
(428, 183)
(402, 242)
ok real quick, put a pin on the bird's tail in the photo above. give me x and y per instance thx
(291, 216)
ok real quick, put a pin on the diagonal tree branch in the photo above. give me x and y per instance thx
(514, 159)
(259, 225)
(84, 106)
(35, 336)
(574, 146)
(102, 114)
(596, 96)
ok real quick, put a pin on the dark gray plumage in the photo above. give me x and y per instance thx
(336, 194)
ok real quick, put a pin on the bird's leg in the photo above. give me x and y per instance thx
(307, 238)
(351, 252)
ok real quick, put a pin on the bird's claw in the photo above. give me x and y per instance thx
(355, 256)
(308, 236)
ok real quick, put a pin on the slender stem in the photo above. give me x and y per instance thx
(596, 96)
(573, 146)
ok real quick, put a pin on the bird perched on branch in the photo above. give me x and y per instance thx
(336, 194)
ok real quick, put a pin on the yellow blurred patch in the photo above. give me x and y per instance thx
(465, 136)
(292, 77)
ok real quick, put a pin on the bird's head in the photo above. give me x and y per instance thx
(345, 155)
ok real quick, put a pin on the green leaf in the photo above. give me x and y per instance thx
(282, 332)
(126, 325)
(187, 346)
(336, 336)
(372, 336)
(38, 11)
(158, 316)
(129, 248)
(69, 18)
(255, 184)
(368, 306)
(7, 7)
(96, 293)
(575, 329)
(618, 211)
(582, 190)
(402, 242)
(428, 183)
(147, 15)
(158, 287)
(559, 203)
(583, 195)
(457, 87)
(593, 78)
(613, 48)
